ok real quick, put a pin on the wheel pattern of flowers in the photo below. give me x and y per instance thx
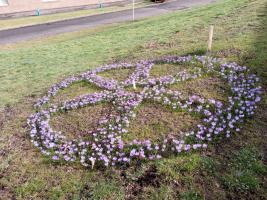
(219, 119)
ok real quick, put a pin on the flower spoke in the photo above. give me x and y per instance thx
(218, 120)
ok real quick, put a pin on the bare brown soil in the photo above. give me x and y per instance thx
(154, 121)
(83, 122)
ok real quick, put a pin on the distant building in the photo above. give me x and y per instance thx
(31, 7)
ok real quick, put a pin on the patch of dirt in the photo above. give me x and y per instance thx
(5, 115)
(6, 194)
(228, 52)
(209, 186)
(150, 177)
(14, 143)
(207, 87)
(154, 120)
(80, 123)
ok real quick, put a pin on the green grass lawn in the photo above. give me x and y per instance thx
(232, 169)
(33, 20)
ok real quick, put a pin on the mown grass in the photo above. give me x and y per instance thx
(242, 175)
(232, 169)
(28, 69)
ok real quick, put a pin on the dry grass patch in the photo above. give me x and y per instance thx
(81, 123)
(207, 87)
(154, 121)
(159, 70)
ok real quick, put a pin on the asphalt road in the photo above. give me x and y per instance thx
(48, 29)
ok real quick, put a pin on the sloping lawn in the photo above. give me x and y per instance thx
(232, 169)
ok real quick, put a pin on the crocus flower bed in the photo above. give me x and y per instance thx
(218, 119)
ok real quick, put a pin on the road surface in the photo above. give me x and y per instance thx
(49, 29)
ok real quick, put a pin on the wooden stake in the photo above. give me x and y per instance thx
(211, 28)
(134, 85)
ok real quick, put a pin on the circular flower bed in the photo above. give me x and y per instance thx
(219, 119)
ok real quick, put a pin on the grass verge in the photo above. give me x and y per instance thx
(34, 20)
(232, 169)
